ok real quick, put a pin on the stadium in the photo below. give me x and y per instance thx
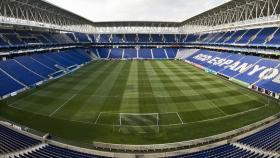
(208, 86)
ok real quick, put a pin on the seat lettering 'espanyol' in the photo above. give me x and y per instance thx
(265, 73)
(276, 79)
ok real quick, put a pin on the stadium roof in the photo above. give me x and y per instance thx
(41, 13)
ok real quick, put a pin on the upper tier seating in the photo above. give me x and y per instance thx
(275, 40)
(259, 37)
(131, 38)
(118, 38)
(20, 38)
(82, 38)
(144, 38)
(170, 38)
(235, 37)
(104, 38)
(157, 38)
(248, 36)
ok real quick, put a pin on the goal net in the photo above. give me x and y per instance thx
(140, 123)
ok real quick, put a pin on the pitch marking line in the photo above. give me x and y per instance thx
(169, 125)
(210, 101)
(15, 102)
(97, 118)
(180, 118)
(62, 105)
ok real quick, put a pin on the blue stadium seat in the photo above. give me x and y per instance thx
(239, 60)
(103, 52)
(235, 36)
(82, 38)
(116, 53)
(263, 35)
(275, 41)
(45, 61)
(118, 38)
(80, 53)
(191, 38)
(220, 152)
(270, 84)
(104, 38)
(130, 53)
(225, 37)
(8, 85)
(170, 38)
(215, 37)
(247, 36)
(12, 141)
(157, 38)
(130, 38)
(205, 53)
(59, 59)
(144, 38)
(35, 66)
(159, 54)
(250, 76)
(13, 39)
(20, 73)
(171, 53)
(3, 43)
(218, 67)
(58, 152)
(145, 53)
(267, 139)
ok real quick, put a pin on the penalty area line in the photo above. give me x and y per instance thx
(97, 118)
(180, 118)
(50, 115)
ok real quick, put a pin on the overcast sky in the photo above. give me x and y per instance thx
(137, 10)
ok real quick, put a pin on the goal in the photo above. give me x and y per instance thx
(141, 123)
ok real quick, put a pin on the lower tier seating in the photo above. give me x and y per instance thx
(250, 70)
(262, 144)
(11, 141)
(223, 151)
(268, 139)
(57, 152)
(28, 71)
(130, 53)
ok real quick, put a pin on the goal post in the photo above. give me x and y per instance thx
(141, 122)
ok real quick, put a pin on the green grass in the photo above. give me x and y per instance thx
(85, 106)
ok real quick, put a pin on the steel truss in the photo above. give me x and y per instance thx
(236, 14)
(40, 14)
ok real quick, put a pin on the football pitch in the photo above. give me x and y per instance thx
(137, 102)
